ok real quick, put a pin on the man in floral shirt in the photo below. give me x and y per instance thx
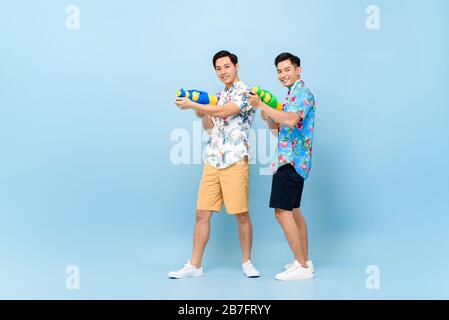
(226, 171)
(293, 160)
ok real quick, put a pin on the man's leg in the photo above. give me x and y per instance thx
(235, 188)
(302, 226)
(200, 236)
(291, 232)
(245, 234)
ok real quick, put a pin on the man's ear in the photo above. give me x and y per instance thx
(298, 71)
(237, 67)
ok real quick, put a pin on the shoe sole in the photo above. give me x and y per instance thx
(294, 279)
(195, 276)
(313, 269)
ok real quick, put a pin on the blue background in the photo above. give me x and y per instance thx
(85, 170)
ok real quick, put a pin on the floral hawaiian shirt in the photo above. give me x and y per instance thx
(229, 138)
(295, 144)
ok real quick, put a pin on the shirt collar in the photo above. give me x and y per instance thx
(233, 86)
(299, 82)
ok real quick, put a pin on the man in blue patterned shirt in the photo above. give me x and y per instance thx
(293, 159)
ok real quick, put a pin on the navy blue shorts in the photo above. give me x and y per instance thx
(286, 188)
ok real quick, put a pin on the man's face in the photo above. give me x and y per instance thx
(288, 73)
(226, 70)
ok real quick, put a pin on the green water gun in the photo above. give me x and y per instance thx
(268, 98)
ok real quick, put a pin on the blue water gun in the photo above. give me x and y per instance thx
(198, 96)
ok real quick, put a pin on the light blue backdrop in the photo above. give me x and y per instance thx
(85, 171)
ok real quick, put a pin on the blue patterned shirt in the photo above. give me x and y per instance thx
(295, 144)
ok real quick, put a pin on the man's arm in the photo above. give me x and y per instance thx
(273, 126)
(290, 119)
(206, 121)
(227, 110)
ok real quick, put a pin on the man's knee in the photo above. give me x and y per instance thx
(203, 215)
(299, 218)
(242, 217)
(282, 215)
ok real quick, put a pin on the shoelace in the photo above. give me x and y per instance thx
(250, 267)
(186, 268)
(294, 267)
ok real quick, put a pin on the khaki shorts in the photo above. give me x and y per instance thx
(228, 186)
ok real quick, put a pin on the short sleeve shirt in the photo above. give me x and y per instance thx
(229, 138)
(295, 144)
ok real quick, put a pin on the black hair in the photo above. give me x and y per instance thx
(224, 53)
(287, 56)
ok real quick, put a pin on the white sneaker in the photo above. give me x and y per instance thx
(249, 270)
(189, 271)
(309, 264)
(295, 272)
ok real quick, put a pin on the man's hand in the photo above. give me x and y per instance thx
(184, 103)
(264, 116)
(199, 114)
(254, 100)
